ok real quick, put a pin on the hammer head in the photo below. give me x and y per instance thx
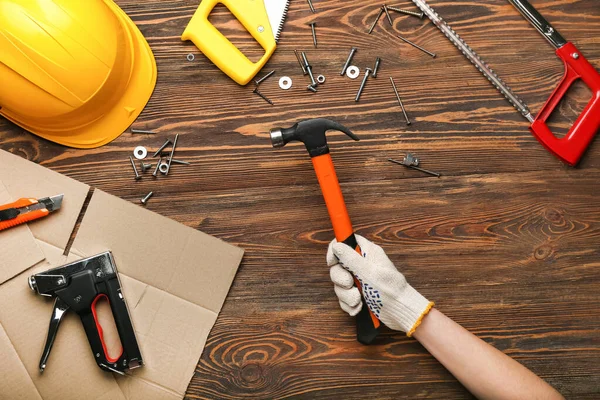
(311, 132)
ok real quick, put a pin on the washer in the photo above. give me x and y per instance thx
(321, 79)
(164, 167)
(190, 57)
(140, 152)
(285, 82)
(352, 72)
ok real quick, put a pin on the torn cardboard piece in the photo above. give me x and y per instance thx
(174, 278)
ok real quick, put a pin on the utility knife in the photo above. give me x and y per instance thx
(263, 19)
(26, 210)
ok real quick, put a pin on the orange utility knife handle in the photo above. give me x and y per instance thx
(367, 322)
(23, 218)
(571, 147)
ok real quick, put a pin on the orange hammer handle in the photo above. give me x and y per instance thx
(342, 226)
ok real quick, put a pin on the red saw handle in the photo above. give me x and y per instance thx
(367, 323)
(572, 146)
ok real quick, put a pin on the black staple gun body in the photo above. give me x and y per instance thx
(78, 286)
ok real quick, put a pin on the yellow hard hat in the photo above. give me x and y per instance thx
(74, 72)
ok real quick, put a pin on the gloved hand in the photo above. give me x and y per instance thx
(385, 289)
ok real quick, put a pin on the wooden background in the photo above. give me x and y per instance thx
(507, 242)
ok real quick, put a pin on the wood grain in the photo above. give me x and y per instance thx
(506, 242)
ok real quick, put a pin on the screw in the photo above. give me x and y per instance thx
(387, 13)
(258, 82)
(376, 67)
(309, 70)
(141, 131)
(172, 152)
(314, 33)
(348, 61)
(312, 88)
(180, 162)
(400, 101)
(417, 46)
(155, 173)
(146, 198)
(408, 162)
(362, 85)
(311, 6)
(262, 96)
(300, 62)
(408, 12)
(137, 176)
(376, 19)
(168, 142)
(145, 167)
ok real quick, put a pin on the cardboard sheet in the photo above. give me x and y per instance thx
(174, 279)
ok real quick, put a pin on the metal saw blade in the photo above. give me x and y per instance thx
(277, 11)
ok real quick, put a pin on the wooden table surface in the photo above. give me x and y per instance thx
(507, 241)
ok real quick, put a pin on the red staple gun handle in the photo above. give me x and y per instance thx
(571, 147)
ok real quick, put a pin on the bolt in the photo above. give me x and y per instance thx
(309, 70)
(400, 101)
(376, 19)
(408, 12)
(300, 62)
(416, 46)
(387, 13)
(312, 88)
(362, 85)
(376, 67)
(146, 198)
(261, 80)
(314, 33)
(262, 96)
(137, 176)
(145, 167)
(348, 61)
(142, 131)
(168, 142)
(311, 6)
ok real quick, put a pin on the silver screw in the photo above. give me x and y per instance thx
(387, 13)
(142, 131)
(146, 198)
(348, 61)
(314, 33)
(155, 173)
(137, 176)
(261, 80)
(400, 101)
(416, 46)
(311, 6)
(376, 67)
(309, 69)
(376, 20)
(407, 12)
(312, 88)
(362, 85)
(168, 142)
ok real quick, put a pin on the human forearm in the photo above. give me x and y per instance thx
(483, 370)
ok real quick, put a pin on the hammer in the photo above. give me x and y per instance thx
(311, 132)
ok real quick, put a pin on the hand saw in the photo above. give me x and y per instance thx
(571, 147)
(263, 19)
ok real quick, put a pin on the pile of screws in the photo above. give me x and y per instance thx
(163, 164)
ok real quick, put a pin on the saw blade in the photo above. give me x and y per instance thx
(277, 11)
(472, 56)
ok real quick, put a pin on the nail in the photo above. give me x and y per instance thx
(400, 101)
(417, 46)
(376, 20)
(137, 175)
(362, 85)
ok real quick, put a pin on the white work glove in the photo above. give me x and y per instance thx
(393, 301)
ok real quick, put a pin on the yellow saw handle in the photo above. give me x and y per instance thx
(253, 16)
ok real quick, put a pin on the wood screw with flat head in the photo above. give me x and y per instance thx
(419, 15)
